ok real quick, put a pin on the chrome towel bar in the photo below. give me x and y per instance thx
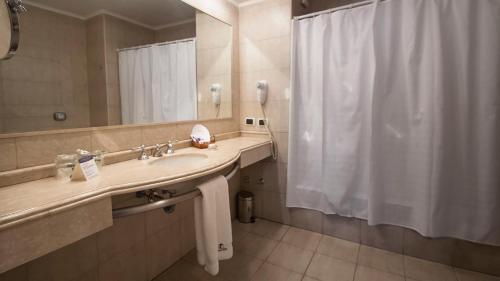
(127, 211)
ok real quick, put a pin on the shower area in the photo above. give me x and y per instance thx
(394, 125)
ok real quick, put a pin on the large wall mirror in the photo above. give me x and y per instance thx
(113, 62)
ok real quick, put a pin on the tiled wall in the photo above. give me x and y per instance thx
(176, 32)
(318, 5)
(96, 71)
(264, 54)
(28, 152)
(48, 74)
(213, 58)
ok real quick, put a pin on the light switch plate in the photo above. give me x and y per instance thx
(250, 121)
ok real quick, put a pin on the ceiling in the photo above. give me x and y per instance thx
(151, 13)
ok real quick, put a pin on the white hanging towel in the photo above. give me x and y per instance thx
(214, 238)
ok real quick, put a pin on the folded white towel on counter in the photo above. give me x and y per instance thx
(214, 238)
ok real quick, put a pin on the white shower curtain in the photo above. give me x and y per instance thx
(158, 83)
(394, 116)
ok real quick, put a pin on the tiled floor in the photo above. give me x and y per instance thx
(274, 252)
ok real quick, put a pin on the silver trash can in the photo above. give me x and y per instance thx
(245, 207)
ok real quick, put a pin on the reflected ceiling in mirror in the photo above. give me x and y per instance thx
(112, 62)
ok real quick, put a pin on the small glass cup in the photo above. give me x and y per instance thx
(99, 158)
(64, 165)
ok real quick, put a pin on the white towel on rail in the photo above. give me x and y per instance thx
(213, 224)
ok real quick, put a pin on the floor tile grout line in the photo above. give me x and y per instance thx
(309, 264)
(260, 266)
(356, 265)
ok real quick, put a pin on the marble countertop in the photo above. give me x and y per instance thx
(30, 200)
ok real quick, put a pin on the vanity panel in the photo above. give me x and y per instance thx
(35, 238)
(254, 155)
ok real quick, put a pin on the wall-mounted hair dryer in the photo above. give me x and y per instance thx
(215, 89)
(262, 89)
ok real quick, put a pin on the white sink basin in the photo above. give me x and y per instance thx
(180, 159)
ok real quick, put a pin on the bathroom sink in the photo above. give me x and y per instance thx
(180, 159)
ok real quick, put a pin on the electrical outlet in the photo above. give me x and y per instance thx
(250, 121)
(261, 122)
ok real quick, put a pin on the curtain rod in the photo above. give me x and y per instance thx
(157, 44)
(332, 10)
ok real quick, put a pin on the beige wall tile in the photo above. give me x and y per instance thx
(8, 161)
(163, 249)
(188, 237)
(125, 233)
(437, 249)
(465, 275)
(381, 260)
(385, 237)
(39, 150)
(213, 61)
(47, 74)
(422, 270)
(56, 231)
(116, 139)
(338, 248)
(221, 9)
(25, 175)
(274, 207)
(273, 20)
(177, 32)
(477, 257)
(342, 227)
(306, 219)
(129, 266)
(67, 263)
(158, 220)
(158, 134)
(315, 6)
(282, 143)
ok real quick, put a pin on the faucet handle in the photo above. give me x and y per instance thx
(174, 141)
(142, 149)
(170, 146)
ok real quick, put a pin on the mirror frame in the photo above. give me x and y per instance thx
(13, 8)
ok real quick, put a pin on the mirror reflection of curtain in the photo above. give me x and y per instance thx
(158, 83)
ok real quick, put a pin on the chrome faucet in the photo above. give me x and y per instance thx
(143, 154)
(167, 148)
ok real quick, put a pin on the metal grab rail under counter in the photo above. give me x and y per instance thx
(127, 211)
